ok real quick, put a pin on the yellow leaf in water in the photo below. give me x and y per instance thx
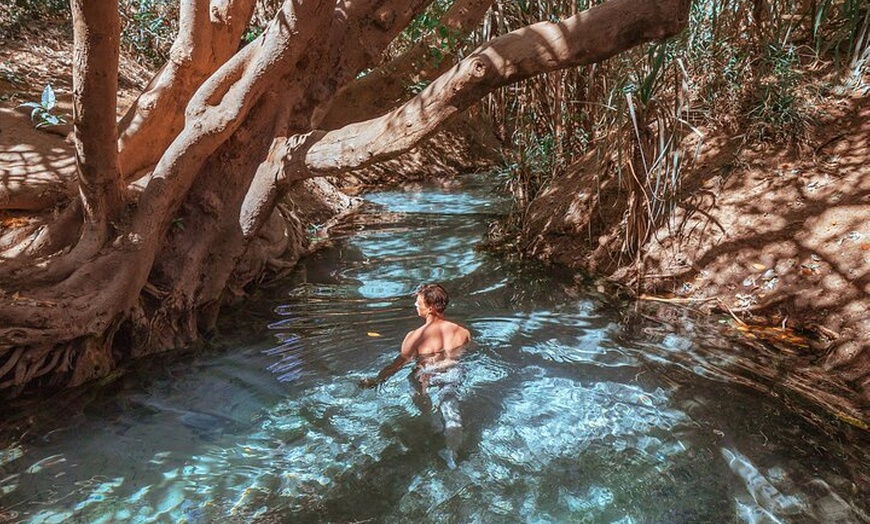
(373, 334)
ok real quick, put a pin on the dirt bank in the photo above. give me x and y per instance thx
(774, 235)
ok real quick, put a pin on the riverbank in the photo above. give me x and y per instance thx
(769, 235)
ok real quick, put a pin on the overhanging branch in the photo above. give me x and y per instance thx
(588, 37)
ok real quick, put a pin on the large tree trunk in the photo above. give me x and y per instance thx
(156, 278)
(97, 30)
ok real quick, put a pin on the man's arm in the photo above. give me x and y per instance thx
(406, 354)
(388, 371)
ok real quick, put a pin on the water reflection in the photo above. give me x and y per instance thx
(573, 410)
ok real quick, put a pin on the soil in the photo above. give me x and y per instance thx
(774, 236)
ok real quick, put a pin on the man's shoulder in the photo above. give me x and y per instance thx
(453, 325)
(458, 328)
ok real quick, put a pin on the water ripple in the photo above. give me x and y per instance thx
(571, 410)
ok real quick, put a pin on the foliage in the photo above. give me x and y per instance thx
(776, 110)
(425, 23)
(744, 66)
(43, 111)
(842, 28)
(264, 10)
(148, 28)
(427, 28)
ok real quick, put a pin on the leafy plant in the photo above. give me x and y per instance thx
(149, 28)
(43, 111)
(776, 109)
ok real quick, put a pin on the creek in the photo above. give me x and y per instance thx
(576, 406)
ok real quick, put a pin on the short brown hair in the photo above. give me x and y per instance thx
(434, 296)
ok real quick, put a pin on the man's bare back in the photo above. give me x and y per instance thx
(437, 341)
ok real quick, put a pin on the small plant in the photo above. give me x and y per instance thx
(42, 111)
(776, 109)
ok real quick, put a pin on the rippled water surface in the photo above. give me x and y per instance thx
(573, 409)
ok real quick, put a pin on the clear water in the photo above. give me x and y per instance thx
(575, 408)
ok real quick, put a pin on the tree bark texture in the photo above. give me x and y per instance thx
(97, 36)
(388, 85)
(209, 34)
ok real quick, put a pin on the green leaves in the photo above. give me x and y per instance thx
(42, 113)
(48, 98)
(150, 26)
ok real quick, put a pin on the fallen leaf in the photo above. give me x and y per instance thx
(759, 266)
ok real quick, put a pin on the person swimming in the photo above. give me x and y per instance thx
(436, 347)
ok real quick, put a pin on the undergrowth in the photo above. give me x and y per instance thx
(751, 69)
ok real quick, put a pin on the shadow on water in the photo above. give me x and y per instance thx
(576, 407)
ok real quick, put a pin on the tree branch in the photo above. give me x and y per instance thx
(209, 35)
(591, 36)
(388, 85)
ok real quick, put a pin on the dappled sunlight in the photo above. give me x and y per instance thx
(810, 229)
(759, 230)
(764, 500)
(27, 151)
(572, 405)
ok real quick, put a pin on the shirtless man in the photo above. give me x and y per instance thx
(436, 346)
(437, 342)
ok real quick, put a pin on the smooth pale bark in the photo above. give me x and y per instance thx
(591, 36)
(215, 113)
(388, 85)
(350, 48)
(232, 190)
(89, 304)
(219, 107)
(209, 35)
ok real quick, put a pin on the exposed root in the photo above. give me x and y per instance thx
(13, 359)
(40, 238)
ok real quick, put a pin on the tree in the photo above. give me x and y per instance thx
(176, 205)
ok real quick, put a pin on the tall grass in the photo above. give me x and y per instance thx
(741, 67)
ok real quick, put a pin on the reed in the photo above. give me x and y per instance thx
(750, 68)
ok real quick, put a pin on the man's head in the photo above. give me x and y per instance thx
(433, 296)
